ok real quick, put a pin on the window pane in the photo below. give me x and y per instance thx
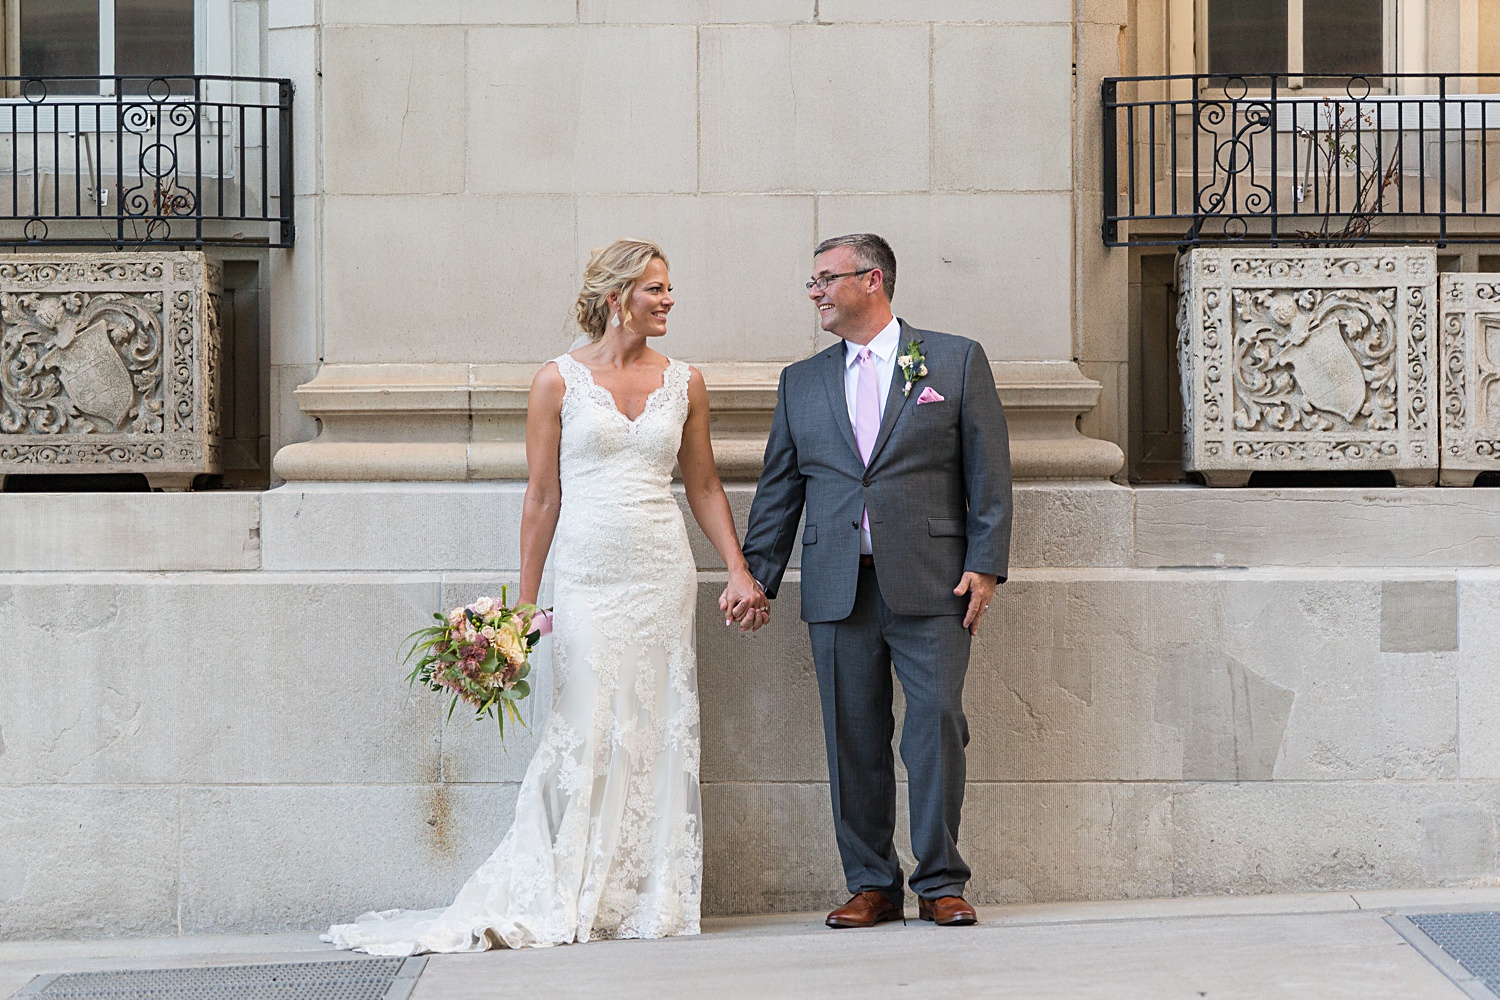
(61, 38)
(153, 38)
(1342, 36)
(1247, 36)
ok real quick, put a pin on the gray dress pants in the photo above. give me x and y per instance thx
(854, 658)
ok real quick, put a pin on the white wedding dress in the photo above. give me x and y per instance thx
(607, 841)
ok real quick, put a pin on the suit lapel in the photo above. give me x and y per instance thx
(895, 400)
(833, 381)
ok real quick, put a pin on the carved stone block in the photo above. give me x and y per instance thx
(1470, 338)
(1308, 360)
(109, 362)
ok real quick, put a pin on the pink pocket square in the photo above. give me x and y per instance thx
(929, 395)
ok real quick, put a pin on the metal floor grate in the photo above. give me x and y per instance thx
(1464, 946)
(359, 979)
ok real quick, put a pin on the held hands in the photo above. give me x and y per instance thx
(980, 587)
(744, 602)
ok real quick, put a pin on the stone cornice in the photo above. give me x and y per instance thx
(441, 422)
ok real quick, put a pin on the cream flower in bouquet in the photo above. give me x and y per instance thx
(478, 654)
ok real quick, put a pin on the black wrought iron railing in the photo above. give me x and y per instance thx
(132, 161)
(1399, 158)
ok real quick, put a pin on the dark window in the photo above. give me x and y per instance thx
(1247, 36)
(153, 38)
(61, 38)
(1335, 37)
(1341, 36)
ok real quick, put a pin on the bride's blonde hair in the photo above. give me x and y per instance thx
(614, 269)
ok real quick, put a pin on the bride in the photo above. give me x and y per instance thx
(607, 840)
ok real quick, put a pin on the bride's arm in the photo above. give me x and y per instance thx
(705, 495)
(543, 488)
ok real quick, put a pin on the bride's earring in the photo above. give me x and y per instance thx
(614, 320)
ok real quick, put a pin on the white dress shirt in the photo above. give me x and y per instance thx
(884, 347)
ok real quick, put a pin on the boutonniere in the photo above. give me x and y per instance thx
(913, 365)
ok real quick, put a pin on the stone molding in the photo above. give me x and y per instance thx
(1308, 360)
(464, 422)
(110, 364)
(418, 527)
(1470, 408)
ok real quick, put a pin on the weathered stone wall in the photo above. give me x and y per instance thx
(204, 725)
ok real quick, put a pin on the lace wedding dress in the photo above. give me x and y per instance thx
(606, 841)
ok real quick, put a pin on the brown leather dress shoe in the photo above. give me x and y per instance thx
(947, 911)
(866, 909)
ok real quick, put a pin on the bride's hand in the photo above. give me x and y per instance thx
(744, 602)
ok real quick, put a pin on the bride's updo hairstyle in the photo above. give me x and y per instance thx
(614, 269)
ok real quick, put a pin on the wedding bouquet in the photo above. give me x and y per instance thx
(478, 655)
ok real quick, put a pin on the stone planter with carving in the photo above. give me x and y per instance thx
(1308, 360)
(109, 363)
(1470, 335)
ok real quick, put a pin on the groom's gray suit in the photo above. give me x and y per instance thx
(938, 493)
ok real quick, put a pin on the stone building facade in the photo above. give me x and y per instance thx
(1187, 690)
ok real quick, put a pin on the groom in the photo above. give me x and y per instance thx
(894, 441)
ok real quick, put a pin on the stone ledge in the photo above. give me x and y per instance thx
(392, 526)
(1411, 527)
(428, 527)
(467, 422)
(54, 532)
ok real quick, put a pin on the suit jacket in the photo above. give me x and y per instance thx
(937, 487)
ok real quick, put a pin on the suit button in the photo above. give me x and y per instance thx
(855, 523)
(866, 481)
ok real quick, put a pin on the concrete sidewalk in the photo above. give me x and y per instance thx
(1324, 946)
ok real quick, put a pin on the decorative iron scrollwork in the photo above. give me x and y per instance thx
(1277, 158)
(158, 127)
(1232, 191)
(118, 160)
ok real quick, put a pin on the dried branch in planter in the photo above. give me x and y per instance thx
(1329, 150)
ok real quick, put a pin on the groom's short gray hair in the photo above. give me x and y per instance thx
(871, 251)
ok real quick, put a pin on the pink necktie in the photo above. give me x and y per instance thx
(866, 412)
(866, 406)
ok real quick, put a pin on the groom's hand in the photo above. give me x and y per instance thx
(757, 614)
(980, 587)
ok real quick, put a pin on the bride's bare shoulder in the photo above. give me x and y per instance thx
(548, 385)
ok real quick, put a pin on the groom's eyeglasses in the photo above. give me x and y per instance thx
(822, 282)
